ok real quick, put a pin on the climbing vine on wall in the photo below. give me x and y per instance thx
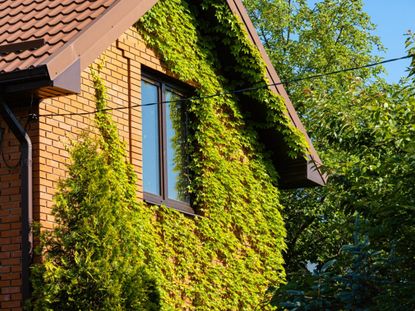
(227, 258)
(223, 259)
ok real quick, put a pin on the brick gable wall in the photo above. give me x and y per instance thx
(51, 137)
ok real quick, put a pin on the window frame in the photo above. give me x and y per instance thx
(164, 83)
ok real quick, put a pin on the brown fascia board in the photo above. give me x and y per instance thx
(314, 174)
(89, 43)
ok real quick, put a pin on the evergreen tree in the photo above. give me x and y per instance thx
(93, 259)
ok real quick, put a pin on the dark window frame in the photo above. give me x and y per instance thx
(164, 83)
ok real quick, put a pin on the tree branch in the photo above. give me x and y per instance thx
(265, 39)
(287, 40)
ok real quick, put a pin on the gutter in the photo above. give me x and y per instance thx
(27, 79)
(26, 194)
(15, 87)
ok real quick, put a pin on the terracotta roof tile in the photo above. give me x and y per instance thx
(55, 21)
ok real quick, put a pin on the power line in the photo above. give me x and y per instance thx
(316, 76)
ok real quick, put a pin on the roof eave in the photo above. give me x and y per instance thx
(309, 173)
(59, 74)
(36, 82)
(24, 79)
(22, 86)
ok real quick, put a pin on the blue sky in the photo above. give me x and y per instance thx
(393, 19)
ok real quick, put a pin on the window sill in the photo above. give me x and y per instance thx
(182, 207)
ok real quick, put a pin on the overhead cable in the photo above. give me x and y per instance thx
(262, 86)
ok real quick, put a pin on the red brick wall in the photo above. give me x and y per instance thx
(10, 213)
(51, 137)
(10, 239)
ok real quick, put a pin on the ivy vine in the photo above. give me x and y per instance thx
(224, 259)
(227, 258)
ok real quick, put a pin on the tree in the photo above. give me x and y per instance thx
(362, 128)
(410, 46)
(93, 259)
(356, 280)
(302, 41)
(374, 178)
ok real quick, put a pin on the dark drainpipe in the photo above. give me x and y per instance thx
(26, 192)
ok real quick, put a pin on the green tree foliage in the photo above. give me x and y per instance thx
(363, 129)
(372, 165)
(304, 40)
(410, 46)
(355, 280)
(92, 260)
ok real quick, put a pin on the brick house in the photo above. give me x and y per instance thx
(45, 50)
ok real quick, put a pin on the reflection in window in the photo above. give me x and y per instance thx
(151, 156)
(175, 142)
(165, 176)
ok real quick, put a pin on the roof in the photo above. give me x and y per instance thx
(45, 44)
(56, 22)
(70, 29)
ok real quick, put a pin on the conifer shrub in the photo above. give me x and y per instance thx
(92, 259)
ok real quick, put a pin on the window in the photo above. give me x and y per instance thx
(165, 128)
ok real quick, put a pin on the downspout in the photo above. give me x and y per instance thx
(26, 193)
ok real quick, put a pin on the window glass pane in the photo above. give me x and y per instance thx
(177, 178)
(151, 155)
